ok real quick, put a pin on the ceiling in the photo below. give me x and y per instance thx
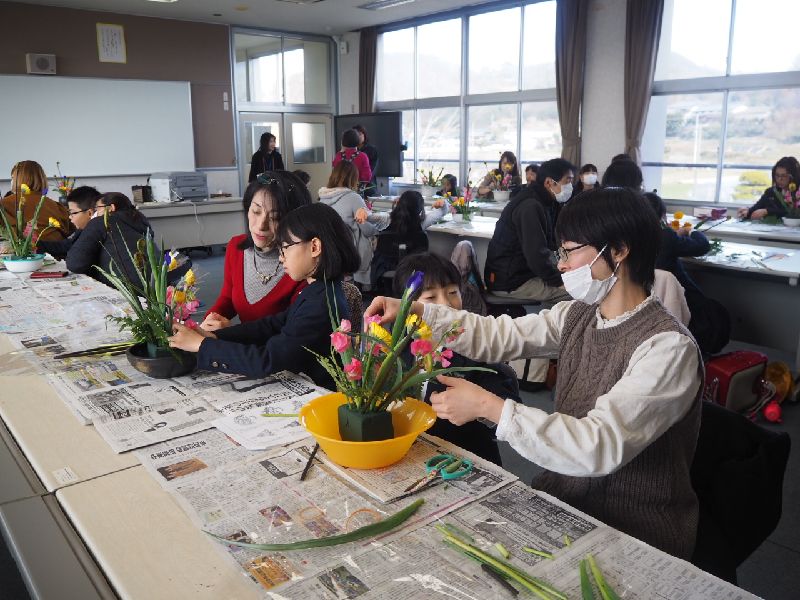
(328, 17)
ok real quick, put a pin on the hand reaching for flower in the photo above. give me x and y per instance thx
(185, 338)
(464, 401)
(214, 321)
(361, 215)
(387, 309)
(439, 203)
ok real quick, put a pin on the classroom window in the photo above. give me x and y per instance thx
(395, 68)
(439, 59)
(494, 51)
(539, 47)
(308, 142)
(724, 100)
(491, 130)
(541, 132)
(438, 136)
(307, 74)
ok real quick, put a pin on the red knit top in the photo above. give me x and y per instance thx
(232, 300)
(359, 159)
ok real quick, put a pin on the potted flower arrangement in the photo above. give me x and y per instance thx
(790, 198)
(430, 181)
(64, 185)
(461, 207)
(370, 371)
(21, 236)
(155, 306)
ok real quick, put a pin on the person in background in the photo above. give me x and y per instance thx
(508, 166)
(254, 282)
(30, 173)
(621, 440)
(441, 285)
(302, 176)
(587, 179)
(316, 247)
(266, 158)
(351, 153)
(519, 260)
(110, 236)
(449, 186)
(81, 205)
(530, 173)
(785, 172)
(341, 195)
(622, 156)
(372, 154)
(623, 173)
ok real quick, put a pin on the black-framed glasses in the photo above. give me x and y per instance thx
(72, 213)
(562, 254)
(289, 245)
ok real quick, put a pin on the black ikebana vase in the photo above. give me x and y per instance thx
(160, 363)
(357, 426)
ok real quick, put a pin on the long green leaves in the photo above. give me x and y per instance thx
(370, 530)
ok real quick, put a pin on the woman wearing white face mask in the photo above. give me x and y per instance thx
(620, 443)
(587, 179)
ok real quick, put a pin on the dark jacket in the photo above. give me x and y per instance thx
(59, 249)
(98, 245)
(523, 242)
(673, 247)
(475, 436)
(264, 161)
(278, 342)
(372, 154)
(772, 200)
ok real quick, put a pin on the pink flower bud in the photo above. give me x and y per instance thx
(421, 347)
(345, 326)
(339, 341)
(353, 370)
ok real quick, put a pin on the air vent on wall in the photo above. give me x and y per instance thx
(41, 64)
(382, 4)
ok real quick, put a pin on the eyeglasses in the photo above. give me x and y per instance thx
(285, 246)
(562, 254)
(72, 213)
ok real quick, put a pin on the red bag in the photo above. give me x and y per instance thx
(735, 380)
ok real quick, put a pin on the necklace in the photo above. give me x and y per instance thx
(265, 278)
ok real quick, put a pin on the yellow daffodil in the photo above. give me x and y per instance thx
(25, 189)
(411, 320)
(189, 278)
(678, 215)
(53, 222)
(792, 186)
(379, 332)
(424, 331)
(179, 297)
(173, 264)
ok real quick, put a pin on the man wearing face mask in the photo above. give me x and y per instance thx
(519, 261)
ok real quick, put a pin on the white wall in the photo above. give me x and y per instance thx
(603, 113)
(348, 75)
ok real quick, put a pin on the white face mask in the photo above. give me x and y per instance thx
(565, 193)
(581, 286)
(589, 178)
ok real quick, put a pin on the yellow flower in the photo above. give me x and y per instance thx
(179, 297)
(792, 186)
(678, 215)
(675, 224)
(411, 320)
(189, 278)
(173, 264)
(379, 332)
(53, 222)
(25, 189)
(424, 332)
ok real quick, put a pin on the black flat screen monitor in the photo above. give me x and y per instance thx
(384, 131)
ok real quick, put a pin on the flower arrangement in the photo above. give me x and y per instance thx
(368, 368)
(155, 304)
(791, 200)
(20, 236)
(64, 185)
(429, 179)
(676, 222)
(501, 181)
(463, 204)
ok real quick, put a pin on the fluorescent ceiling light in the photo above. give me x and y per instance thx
(382, 4)
(165, 1)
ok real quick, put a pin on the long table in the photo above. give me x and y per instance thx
(747, 231)
(85, 522)
(195, 224)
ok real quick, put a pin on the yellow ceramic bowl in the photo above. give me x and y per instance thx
(320, 417)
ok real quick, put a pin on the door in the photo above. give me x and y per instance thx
(251, 127)
(309, 147)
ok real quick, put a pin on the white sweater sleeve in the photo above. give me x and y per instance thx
(497, 339)
(657, 389)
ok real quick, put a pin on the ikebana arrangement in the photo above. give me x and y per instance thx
(792, 201)
(156, 305)
(21, 236)
(375, 370)
(64, 184)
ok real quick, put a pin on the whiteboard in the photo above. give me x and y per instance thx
(95, 127)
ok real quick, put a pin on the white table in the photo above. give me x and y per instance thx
(747, 231)
(443, 237)
(190, 224)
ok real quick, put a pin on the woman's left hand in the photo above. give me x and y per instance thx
(188, 339)
(464, 401)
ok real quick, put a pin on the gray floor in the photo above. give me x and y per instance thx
(772, 572)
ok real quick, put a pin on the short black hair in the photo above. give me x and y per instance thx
(656, 203)
(85, 196)
(350, 139)
(615, 218)
(453, 182)
(438, 272)
(285, 189)
(621, 156)
(533, 167)
(555, 169)
(588, 168)
(623, 173)
(302, 176)
(339, 255)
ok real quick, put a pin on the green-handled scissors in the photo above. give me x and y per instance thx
(445, 466)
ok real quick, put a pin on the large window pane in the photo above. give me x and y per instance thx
(494, 51)
(744, 186)
(308, 140)
(694, 39)
(439, 59)
(765, 37)
(439, 135)
(396, 65)
(682, 183)
(307, 72)
(539, 46)
(541, 132)
(258, 60)
(762, 126)
(683, 128)
(491, 130)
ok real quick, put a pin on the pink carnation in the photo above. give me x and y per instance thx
(353, 370)
(372, 319)
(345, 326)
(339, 341)
(445, 356)
(421, 347)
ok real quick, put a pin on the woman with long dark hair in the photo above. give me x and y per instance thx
(403, 235)
(266, 158)
(508, 165)
(772, 203)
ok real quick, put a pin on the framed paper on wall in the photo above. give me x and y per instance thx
(111, 43)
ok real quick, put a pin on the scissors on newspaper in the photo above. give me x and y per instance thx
(445, 466)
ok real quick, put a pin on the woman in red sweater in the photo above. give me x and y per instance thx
(350, 153)
(255, 284)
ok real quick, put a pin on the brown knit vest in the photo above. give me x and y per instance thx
(650, 497)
